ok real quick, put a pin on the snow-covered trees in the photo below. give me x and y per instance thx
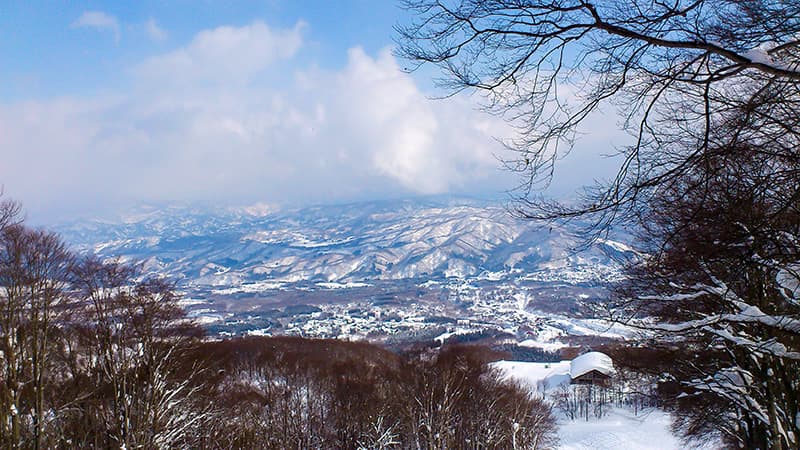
(719, 294)
(457, 403)
(710, 89)
(130, 334)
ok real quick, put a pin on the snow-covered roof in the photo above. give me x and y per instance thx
(591, 361)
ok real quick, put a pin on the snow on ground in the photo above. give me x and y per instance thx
(619, 246)
(546, 346)
(619, 429)
(204, 316)
(186, 302)
(445, 336)
(349, 285)
(249, 288)
(591, 327)
(540, 378)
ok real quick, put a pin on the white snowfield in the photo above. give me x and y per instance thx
(619, 429)
(540, 378)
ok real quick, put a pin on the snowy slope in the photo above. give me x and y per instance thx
(540, 378)
(347, 243)
(619, 429)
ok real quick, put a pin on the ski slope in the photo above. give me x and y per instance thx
(619, 429)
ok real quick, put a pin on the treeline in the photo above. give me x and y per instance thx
(95, 354)
(287, 392)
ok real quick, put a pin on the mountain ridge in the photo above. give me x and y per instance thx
(351, 243)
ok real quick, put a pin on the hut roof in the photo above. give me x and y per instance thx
(591, 361)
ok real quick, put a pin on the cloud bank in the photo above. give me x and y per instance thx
(231, 116)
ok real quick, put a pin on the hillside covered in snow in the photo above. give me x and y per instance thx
(390, 240)
(424, 269)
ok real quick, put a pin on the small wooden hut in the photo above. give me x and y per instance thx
(592, 368)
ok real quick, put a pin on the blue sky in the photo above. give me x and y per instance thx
(106, 104)
(46, 53)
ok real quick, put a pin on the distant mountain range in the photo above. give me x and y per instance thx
(353, 243)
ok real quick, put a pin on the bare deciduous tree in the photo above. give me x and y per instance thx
(132, 333)
(674, 69)
(9, 213)
(720, 292)
(33, 276)
(710, 91)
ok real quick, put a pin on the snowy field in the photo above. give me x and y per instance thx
(619, 429)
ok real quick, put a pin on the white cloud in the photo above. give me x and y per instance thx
(100, 21)
(223, 55)
(229, 117)
(426, 146)
(154, 32)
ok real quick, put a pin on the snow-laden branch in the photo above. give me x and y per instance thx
(732, 384)
(747, 313)
(770, 346)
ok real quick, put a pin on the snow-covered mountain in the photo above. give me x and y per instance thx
(389, 240)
